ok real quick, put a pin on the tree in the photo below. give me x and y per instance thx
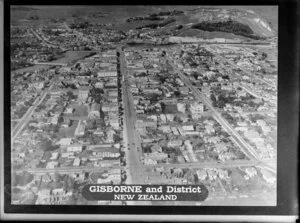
(70, 95)
(46, 145)
(57, 177)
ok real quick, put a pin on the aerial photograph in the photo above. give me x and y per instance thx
(143, 95)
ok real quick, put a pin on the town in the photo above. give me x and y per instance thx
(90, 107)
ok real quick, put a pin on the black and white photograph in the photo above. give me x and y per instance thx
(143, 105)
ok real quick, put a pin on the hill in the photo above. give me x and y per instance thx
(262, 20)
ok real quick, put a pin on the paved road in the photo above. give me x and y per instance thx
(255, 95)
(234, 66)
(134, 165)
(68, 169)
(48, 43)
(132, 138)
(210, 164)
(27, 116)
(51, 64)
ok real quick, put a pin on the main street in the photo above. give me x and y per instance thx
(131, 137)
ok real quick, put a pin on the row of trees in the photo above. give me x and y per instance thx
(229, 26)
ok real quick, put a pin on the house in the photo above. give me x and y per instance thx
(212, 175)
(99, 132)
(99, 85)
(268, 176)
(174, 143)
(163, 118)
(250, 172)
(66, 123)
(175, 131)
(69, 111)
(110, 107)
(149, 161)
(68, 155)
(51, 165)
(188, 127)
(76, 162)
(54, 156)
(223, 174)
(65, 141)
(165, 128)
(196, 108)
(83, 93)
(74, 148)
(181, 107)
(107, 74)
(95, 111)
(184, 90)
(201, 174)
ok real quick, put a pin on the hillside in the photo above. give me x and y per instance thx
(261, 20)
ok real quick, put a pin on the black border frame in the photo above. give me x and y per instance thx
(288, 126)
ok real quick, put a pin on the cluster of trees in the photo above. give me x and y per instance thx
(21, 180)
(138, 18)
(222, 100)
(80, 25)
(19, 65)
(48, 31)
(71, 95)
(47, 145)
(155, 16)
(174, 12)
(34, 17)
(17, 31)
(155, 25)
(96, 94)
(229, 118)
(229, 26)
(21, 111)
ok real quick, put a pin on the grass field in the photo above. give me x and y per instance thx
(170, 109)
(80, 110)
(68, 132)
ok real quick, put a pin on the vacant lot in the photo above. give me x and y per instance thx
(68, 132)
(169, 109)
(81, 111)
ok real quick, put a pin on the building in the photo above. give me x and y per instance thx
(201, 174)
(174, 143)
(181, 107)
(95, 111)
(188, 128)
(197, 108)
(69, 111)
(54, 156)
(74, 148)
(65, 141)
(107, 74)
(76, 162)
(51, 165)
(83, 94)
(80, 129)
